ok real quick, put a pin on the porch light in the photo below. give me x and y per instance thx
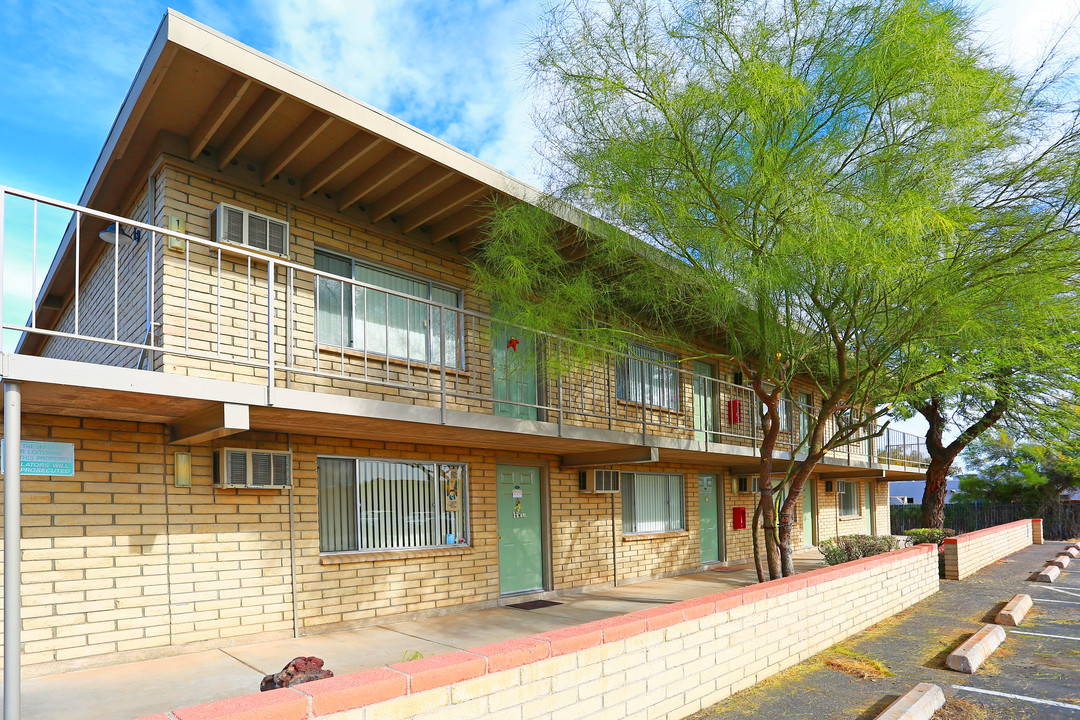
(115, 236)
(182, 469)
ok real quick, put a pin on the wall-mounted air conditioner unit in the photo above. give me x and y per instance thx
(229, 224)
(744, 485)
(599, 481)
(241, 468)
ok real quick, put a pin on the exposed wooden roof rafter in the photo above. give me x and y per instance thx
(293, 145)
(387, 170)
(470, 238)
(424, 181)
(265, 105)
(453, 198)
(338, 161)
(457, 222)
(225, 102)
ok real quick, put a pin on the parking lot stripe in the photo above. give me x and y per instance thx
(1017, 697)
(1059, 637)
(1063, 590)
(1065, 602)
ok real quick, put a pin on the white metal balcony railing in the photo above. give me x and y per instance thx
(227, 311)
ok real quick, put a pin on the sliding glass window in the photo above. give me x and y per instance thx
(390, 505)
(648, 376)
(383, 323)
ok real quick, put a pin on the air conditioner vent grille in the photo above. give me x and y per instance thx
(599, 481)
(243, 227)
(243, 468)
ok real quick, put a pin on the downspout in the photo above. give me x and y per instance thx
(12, 550)
(614, 547)
(292, 554)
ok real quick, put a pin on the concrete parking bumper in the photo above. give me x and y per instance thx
(968, 657)
(1049, 575)
(1014, 611)
(919, 703)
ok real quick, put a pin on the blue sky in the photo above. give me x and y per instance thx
(452, 69)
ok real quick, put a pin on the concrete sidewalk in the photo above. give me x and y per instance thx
(914, 644)
(131, 690)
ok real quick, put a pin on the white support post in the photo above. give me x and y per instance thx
(12, 554)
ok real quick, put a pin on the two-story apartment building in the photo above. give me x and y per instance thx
(290, 410)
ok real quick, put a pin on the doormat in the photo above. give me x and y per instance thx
(736, 568)
(534, 604)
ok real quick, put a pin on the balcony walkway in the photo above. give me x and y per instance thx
(137, 689)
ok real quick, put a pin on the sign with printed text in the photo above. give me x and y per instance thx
(44, 458)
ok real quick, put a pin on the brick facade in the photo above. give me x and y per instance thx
(120, 563)
(668, 661)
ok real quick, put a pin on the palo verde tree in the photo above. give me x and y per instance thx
(774, 179)
(1014, 367)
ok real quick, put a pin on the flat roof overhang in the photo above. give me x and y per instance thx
(68, 388)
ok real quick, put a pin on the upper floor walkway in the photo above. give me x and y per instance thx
(321, 349)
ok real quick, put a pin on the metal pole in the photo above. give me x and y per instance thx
(12, 554)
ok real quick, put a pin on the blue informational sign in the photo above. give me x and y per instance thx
(44, 458)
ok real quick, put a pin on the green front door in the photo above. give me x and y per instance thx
(868, 493)
(706, 419)
(808, 514)
(709, 523)
(513, 357)
(521, 553)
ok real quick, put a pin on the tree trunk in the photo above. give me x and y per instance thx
(942, 455)
(757, 546)
(787, 511)
(933, 502)
(787, 561)
(769, 436)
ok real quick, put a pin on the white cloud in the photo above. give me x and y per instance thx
(450, 69)
(1019, 30)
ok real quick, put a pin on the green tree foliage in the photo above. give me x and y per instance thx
(1011, 366)
(811, 188)
(1003, 470)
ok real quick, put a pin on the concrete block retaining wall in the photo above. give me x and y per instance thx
(664, 662)
(968, 553)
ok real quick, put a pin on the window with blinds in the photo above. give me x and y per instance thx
(649, 376)
(385, 324)
(652, 502)
(849, 497)
(369, 504)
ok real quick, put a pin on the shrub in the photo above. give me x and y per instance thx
(853, 547)
(929, 535)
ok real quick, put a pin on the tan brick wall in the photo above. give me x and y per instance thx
(588, 393)
(833, 524)
(669, 662)
(119, 563)
(113, 304)
(968, 553)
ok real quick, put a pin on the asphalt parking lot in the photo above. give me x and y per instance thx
(1040, 661)
(1035, 674)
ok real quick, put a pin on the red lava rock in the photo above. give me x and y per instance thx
(299, 670)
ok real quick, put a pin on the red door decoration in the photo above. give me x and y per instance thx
(734, 411)
(512, 344)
